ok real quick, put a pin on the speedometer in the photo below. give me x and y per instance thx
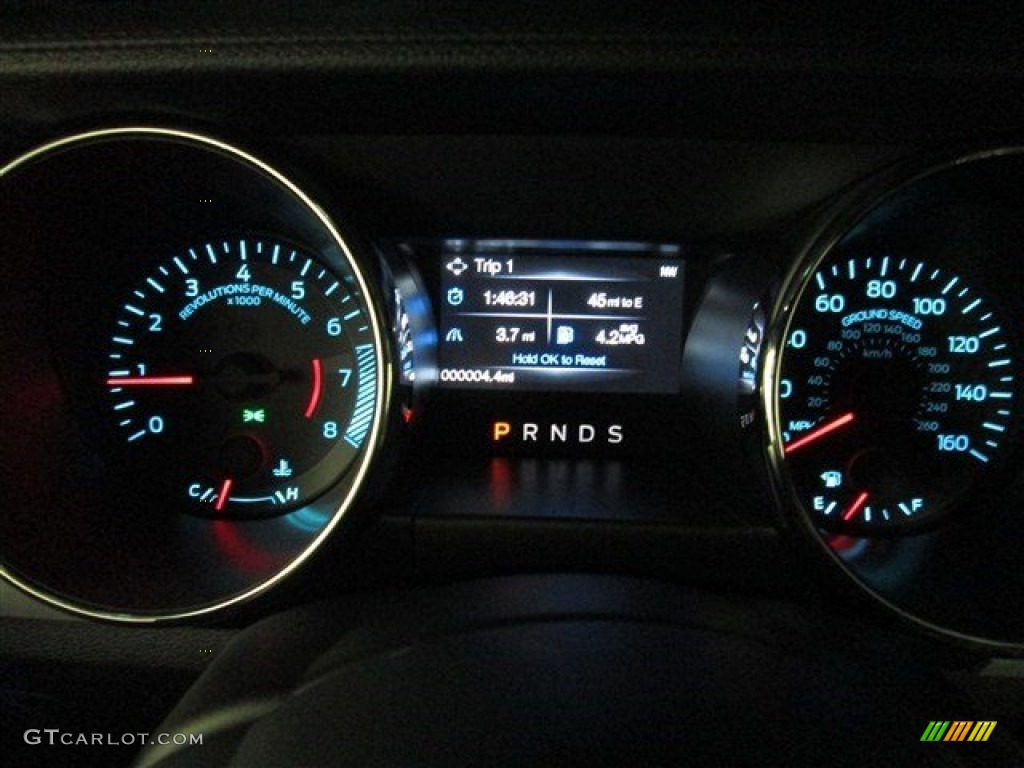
(894, 390)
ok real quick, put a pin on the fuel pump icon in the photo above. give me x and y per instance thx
(832, 478)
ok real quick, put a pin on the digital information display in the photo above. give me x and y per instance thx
(561, 316)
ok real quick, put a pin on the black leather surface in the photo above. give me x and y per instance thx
(567, 670)
(910, 38)
(85, 677)
(736, 70)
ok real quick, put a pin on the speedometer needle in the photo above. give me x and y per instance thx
(820, 432)
(151, 381)
(858, 503)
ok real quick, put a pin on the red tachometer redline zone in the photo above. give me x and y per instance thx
(314, 397)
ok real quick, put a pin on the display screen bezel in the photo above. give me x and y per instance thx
(560, 315)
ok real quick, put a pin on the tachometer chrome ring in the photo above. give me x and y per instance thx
(345, 496)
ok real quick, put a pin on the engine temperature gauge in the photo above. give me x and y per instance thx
(242, 375)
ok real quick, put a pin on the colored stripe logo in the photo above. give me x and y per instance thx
(958, 730)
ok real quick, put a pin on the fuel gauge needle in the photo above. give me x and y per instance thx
(151, 381)
(225, 493)
(856, 507)
(825, 429)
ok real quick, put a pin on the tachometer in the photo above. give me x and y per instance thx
(211, 383)
(894, 390)
(243, 372)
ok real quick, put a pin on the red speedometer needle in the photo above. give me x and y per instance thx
(820, 432)
(858, 503)
(151, 381)
(225, 493)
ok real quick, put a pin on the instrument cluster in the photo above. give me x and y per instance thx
(210, 374)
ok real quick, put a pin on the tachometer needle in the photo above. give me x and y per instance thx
(151, 381)
(820, 432)
(857, 505)
(225, 493)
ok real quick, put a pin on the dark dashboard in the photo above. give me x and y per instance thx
(463, 383)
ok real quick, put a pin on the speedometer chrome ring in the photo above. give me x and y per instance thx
(238, 398)
(889, 382)
(890, 385)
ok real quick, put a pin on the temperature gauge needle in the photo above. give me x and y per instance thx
(820, 432)
(856, 507)
(151, 381)
(225, 493)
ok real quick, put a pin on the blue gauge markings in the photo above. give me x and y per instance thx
(251, 388)
(890, 386)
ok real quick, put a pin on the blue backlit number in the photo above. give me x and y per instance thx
(954, 443)
(964, 345)
(298, 289)
(156, 425)
(929, 306)
(243, 274)
(330, 430)
(334, 327)
(346, 374)
(155, 323)
(974, 393)
(881, 289)
(785, 389)
(191, 287)
(830, 303)
(798, 339)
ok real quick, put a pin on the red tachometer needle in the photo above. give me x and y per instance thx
(151, 381)
(820, 432)
(858, 503)
(225, 493)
